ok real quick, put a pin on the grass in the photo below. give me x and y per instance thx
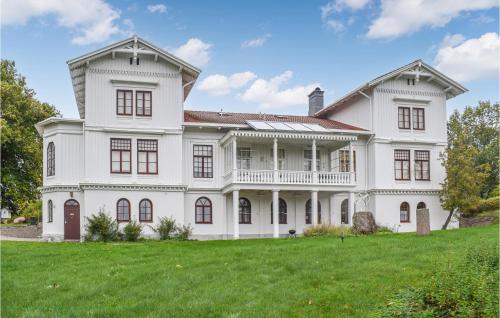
(310, 277)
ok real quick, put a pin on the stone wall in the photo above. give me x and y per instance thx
(476, 221)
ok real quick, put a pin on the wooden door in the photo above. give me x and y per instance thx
(71, 220)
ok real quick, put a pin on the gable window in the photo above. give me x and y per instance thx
(145, 211)
(203, 211)
(421, 205)
(243, 158)
(202, 161)
(308, 160)
(123, 210)
(245, 211)
(344, 212)
(147, 156)
(309, 212)
(404, 117)
(51, 159)
(402, 164)
(281, 158)
(418, 118)
(124, 102)
(121, 150)
(422, 169)
(50, 211)
(282, 212)
(404, 212)
(143, 103)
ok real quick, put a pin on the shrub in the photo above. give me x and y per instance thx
(468, 289)
(132, 231)
(381, 229)
(183, 232)
(483, 205)
(101, 227)
(33, 209)
(166, 228)
(327, 230)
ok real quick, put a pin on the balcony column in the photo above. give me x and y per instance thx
(314, 207)
(275, 160)
(236, 214)
(276, 210)
(313, 166)
(235, 160)
(351, 163)
(350, 211)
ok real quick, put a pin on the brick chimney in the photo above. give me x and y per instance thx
(315, 101)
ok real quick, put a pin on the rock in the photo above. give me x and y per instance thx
(423, 222)
(20, 219)
(363, 223)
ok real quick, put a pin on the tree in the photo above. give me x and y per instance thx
(21, 145)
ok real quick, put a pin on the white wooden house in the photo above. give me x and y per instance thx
(136, 153)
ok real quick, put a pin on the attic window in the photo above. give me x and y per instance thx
(132, 61)
(410, 81)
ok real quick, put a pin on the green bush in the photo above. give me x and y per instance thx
(101, 227)
(490, 204)
(468, 289)
(183, 232)
(132, 231)
(33, 209)
(166, 228)
(327, 230)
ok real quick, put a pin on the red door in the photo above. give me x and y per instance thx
(71, 220)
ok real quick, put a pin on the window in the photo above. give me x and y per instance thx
(344, 160)
(143, 103)
(121, 155)
(123, 210)
(244, 156)
(51, 159)
(309, 212)
(404, 212)
(344, 212)
(281, 159)
(50, 212)
(147, 156)
(282, 212)
(422, 170)
(202, 161)
(418, 119)
(308, 160)
(402, 164)
(203, 211)
(124, 102)
(145, 211)
(404, 117)
(421, 205)
(245, 211)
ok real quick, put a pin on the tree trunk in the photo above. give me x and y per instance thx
(448, 219)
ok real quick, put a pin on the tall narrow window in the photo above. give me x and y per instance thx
(344, 160)
(282, 212)
(50, 211)
(147, 156)
(344, 212)
(421, 205)
(145, 211)
(51, 159)
(203, 211)
(309, 212)
(404, 117)
(281, 158)
(402, 164)
(308, 160)
(143, 103)
(202, 161)
(404, 212)
(121, 150)
(124, 102)
(245, 211)
(418, 118)
(422, 169)
(123, 210)
(244, 157)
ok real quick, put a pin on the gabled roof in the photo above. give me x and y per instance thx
(135, 46)
(417, 69)
(224, 118)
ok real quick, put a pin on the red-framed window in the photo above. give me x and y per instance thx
(124, 102)
(245, 211)
(145, 210)
(404, 117)
(402, 164)
(51, 159)
(147, 156)
(203, 161)
(123, 210)
(143, 103)
(422, 165)
(203, 211)
(121, 155)
(404, 212)
(419, 118)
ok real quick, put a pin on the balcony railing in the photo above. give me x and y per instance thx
(289, 177)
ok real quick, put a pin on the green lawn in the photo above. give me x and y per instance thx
(248, 278)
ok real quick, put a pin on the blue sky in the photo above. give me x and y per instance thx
(262, 55)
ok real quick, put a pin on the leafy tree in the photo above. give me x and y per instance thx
(21, 145)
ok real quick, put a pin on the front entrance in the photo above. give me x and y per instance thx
(71, 220)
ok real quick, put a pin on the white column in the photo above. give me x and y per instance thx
(235, 160)
(351, 207)
(313, 167)
(236, 214)
(314, 207)
(276, 209)
(275, 160)
(332, 208)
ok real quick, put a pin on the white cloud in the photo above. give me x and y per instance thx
(93, 21)
(195, 51)
(472, 59)
(404, 17)
(339, 5)
(160, 8)
(267, 93)
(258, 42)
(335, 25)
(483, 19)
(452, 40)
(218, 84)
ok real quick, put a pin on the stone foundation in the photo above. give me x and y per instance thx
(476, 221)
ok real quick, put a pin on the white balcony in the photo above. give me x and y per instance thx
(289, 177)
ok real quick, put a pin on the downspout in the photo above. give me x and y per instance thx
(369, 139)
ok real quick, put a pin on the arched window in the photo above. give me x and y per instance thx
(123, 210)
(421, 205)
(50, 211)
(344, 212)
(203, 211)
(282, 211)
(51, 159)
(145, 211)
(309, 212)
(404, 212)
(245, 211)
